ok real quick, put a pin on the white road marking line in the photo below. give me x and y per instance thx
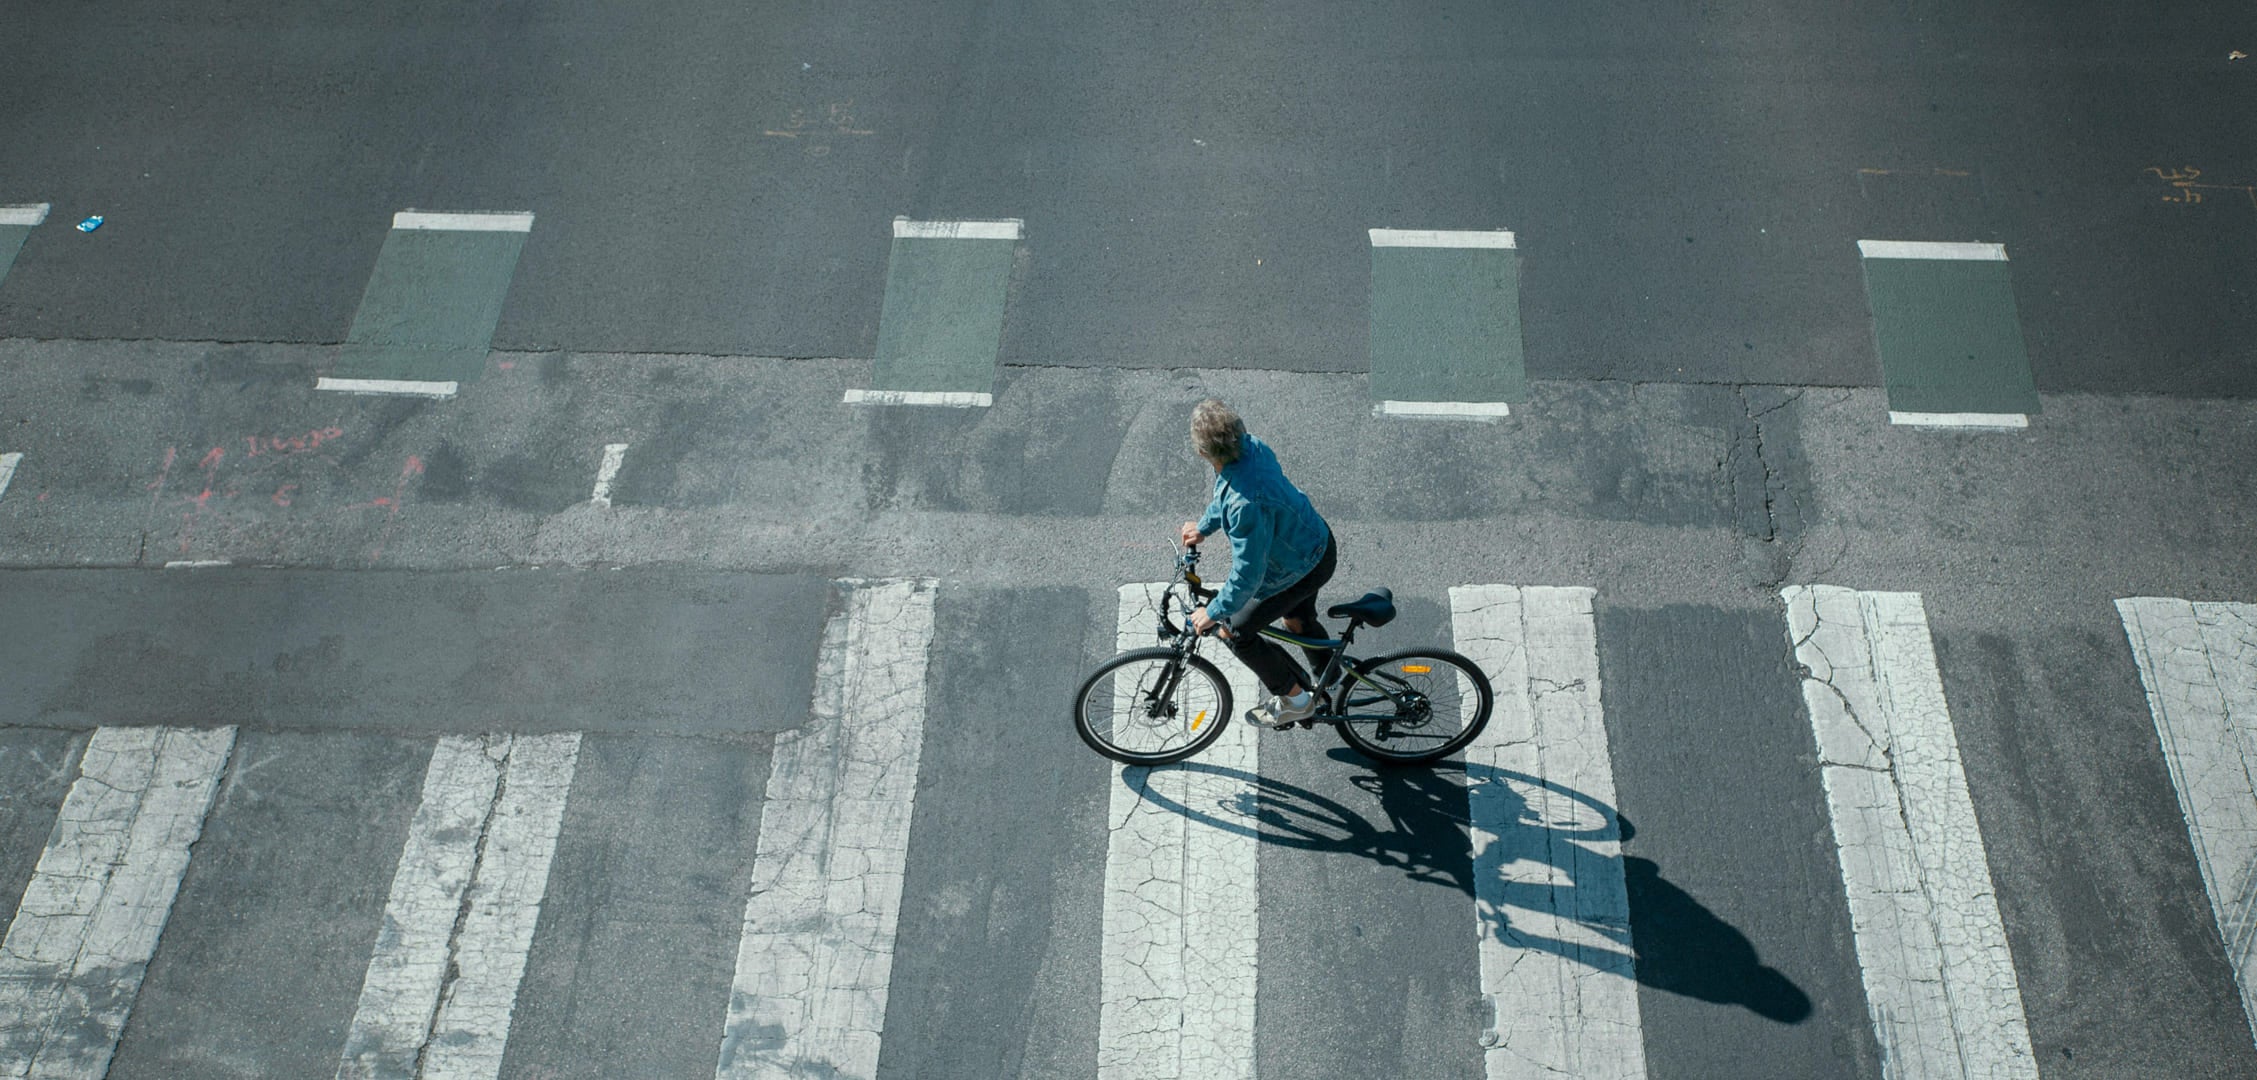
(8, 462)
(1553, 912)
(404, 387)
(459, 921)
(23, 214)
(1970, 420)
(1486, 412)
(1931, 249)
(1006, 229)
(505, 221)
(949, 398)
(196, 564)
(817, 953)
(2199, 664)
(1442, 238)
(1931, 947)
(614, 455)
(1176, 986)
(89, 921)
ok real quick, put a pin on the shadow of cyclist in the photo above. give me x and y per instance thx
(1551, 878)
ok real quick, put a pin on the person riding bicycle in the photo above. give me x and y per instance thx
(1281, 553)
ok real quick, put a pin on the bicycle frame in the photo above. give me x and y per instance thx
(1326, 681)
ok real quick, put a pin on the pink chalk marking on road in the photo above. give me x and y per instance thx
(411, 470)
(292, 444)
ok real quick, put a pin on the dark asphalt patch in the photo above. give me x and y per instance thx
(1746, 963)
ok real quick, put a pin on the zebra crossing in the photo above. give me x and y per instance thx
(1184, 953)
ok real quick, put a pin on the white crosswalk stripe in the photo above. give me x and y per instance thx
(442, 980)
(2198, 662)
(89, 921)
(1181, 929)
(1553, 909)
(1939, 980)
(816, 958)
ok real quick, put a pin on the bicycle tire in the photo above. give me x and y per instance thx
(1199, 676)
(1418, 746)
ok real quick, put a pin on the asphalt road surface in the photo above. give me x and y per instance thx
(636, 689)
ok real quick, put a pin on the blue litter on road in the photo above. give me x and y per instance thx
(90, 224)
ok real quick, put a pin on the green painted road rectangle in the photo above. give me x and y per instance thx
(431, 305)
(1445, 325)
(16, 223)
(11, 241)
(941, 326)
(1949, 337)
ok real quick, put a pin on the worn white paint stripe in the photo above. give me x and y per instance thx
(1006, 229)
(403, 387)
(1931, 249)
(23, 214)
(1974, 420)
(8, 463)
(196, 564)
(817, 953)
(90, 918)
(442, 980)
(955, 399)
(1176, 982)
(506, 221)
(614, 455)
(1478, 411)
(2198, 661)
(1939, 979)
(1442, 238)
(1552, 908)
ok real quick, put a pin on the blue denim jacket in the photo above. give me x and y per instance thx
(1276, 537)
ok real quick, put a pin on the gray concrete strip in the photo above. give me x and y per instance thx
(2198, 661)
(815, 961)
(490, 651)
(1181, 922)
(464, 901)
(1939, 978)
(81, 939)
(1557, 959)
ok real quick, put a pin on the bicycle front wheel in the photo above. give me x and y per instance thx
(1411, 708)
(1152, 706)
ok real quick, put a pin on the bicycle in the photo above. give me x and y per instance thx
(1164, 703)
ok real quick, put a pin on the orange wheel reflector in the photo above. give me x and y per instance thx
(1418, 669)
(1199, 719)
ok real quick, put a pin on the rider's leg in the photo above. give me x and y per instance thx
(1277, 671)
(1301, 618)
(1298, 604)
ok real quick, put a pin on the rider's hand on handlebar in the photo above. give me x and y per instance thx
(1201, 624)
(1190, 534)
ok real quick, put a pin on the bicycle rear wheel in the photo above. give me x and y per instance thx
(1152, 706)
(1415, 707)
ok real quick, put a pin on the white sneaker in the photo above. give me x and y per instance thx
(1276, 712)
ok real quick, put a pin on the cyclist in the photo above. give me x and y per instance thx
(1281, 553)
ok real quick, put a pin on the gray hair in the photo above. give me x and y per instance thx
(1215, 431)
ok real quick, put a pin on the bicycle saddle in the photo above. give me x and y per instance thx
(1376, 608)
